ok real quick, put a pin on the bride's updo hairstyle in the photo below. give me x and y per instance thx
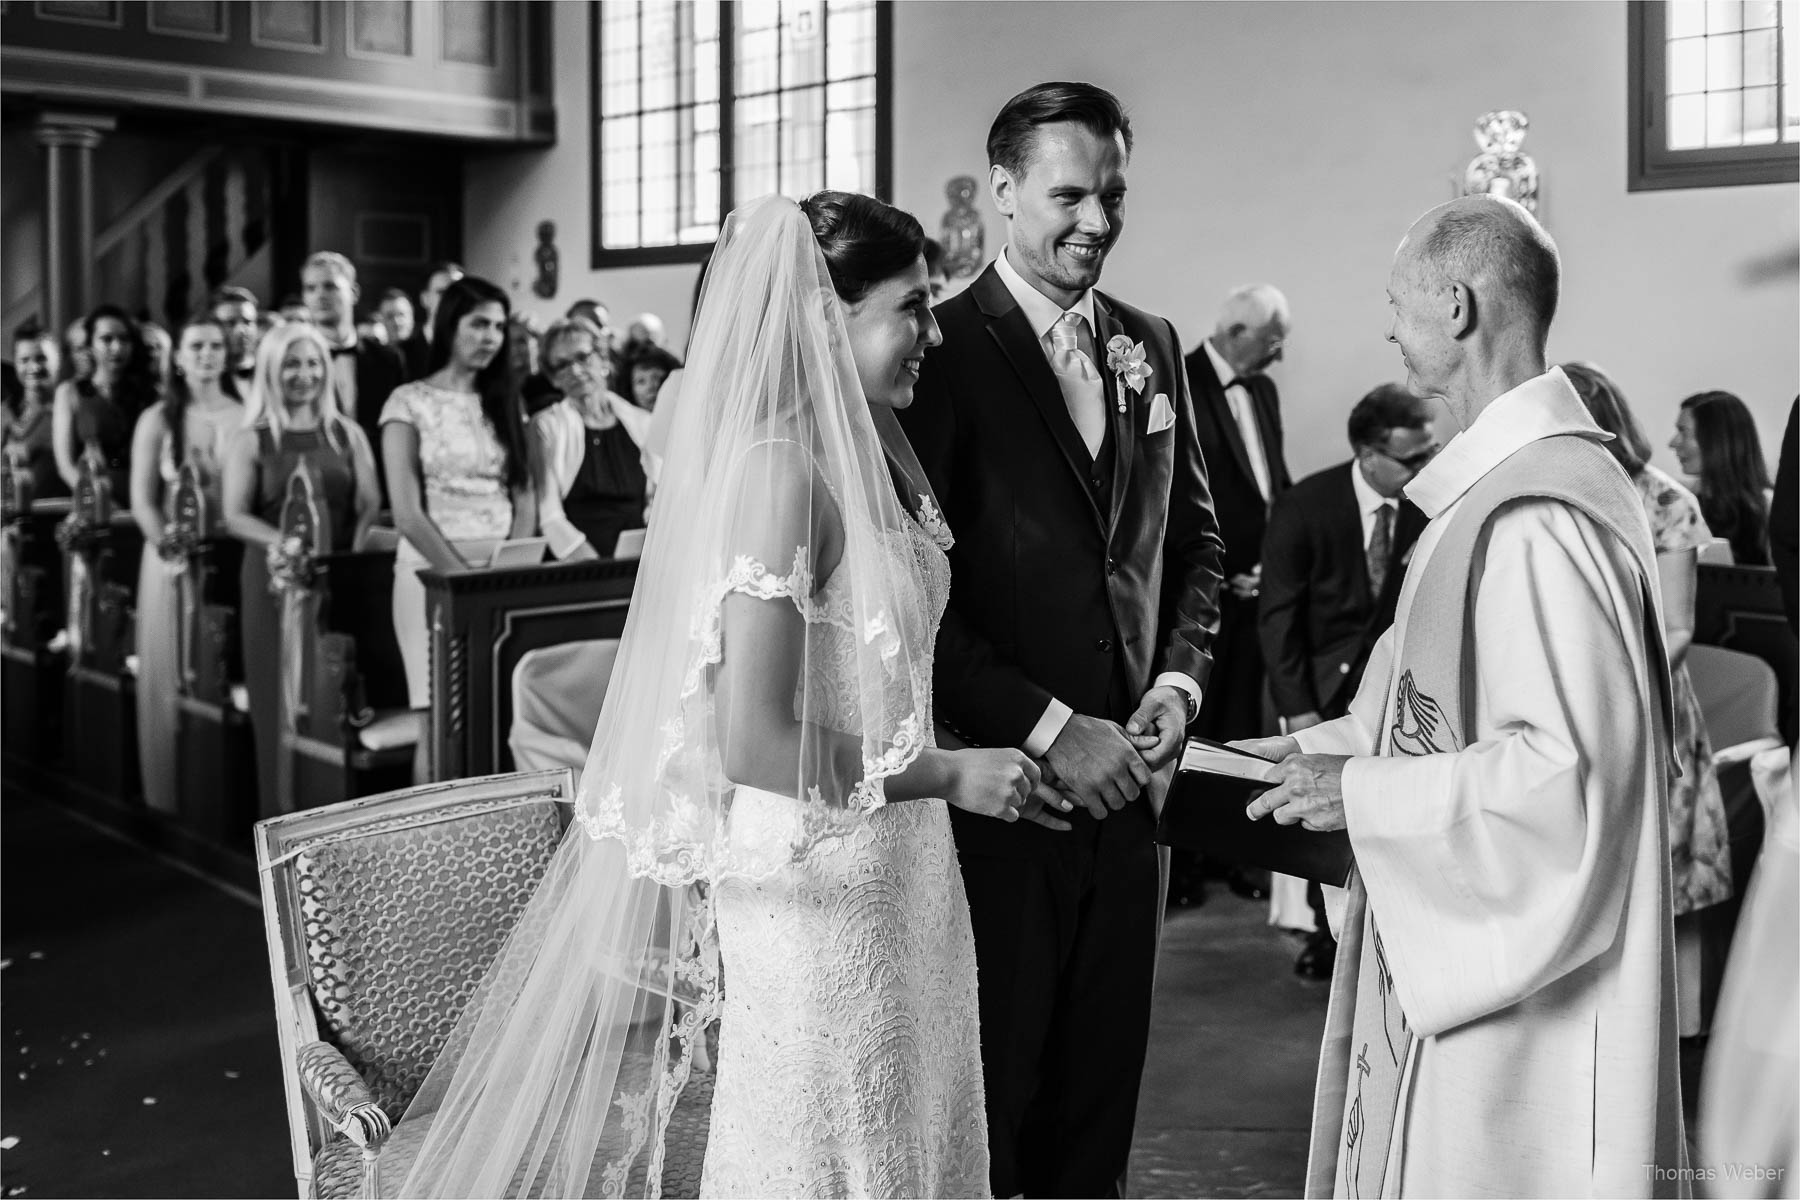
(864, 241)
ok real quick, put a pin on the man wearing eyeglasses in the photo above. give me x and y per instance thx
(1332, 560)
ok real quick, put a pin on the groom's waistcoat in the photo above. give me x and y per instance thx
(1070, 579)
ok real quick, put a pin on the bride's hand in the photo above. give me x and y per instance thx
(993, 783)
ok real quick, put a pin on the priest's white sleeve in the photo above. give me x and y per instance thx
(1355, 732)
(1496, 870)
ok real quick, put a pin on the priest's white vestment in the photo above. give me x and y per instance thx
(1520, 884)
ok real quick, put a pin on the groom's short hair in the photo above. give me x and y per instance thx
(1013, 135)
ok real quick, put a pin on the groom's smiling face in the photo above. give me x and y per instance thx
(1066, 210)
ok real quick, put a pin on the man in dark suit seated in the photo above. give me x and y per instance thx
(1237, 415)
(363, 369)
(1332, 562)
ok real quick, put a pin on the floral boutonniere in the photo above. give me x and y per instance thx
(1125, 359)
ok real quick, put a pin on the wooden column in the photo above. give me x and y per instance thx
(69, 140)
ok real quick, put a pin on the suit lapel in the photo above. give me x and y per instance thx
(1345, 522)
(1228, 426)
(1010, 330)
(1124, 424)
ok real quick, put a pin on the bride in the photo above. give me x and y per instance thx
(761, 834)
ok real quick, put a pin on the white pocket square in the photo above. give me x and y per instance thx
(1162, 414)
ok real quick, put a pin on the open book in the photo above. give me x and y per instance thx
(1205, 813)
(1215, 758)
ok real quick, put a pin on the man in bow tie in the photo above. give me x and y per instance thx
(363, 369)
(1238, 414)
(1055, 425)
(234, 308)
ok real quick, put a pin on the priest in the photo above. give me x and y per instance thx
(1502, 1018)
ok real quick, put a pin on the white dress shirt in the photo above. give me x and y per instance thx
(1369, 502)
(1243, 411)
(1043, 313)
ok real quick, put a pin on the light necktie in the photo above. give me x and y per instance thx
(1381, 548)
(1237, 395)
(1079, 380)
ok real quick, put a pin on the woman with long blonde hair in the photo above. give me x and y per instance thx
(291, 422)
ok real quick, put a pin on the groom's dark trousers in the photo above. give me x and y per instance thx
(1079, 577)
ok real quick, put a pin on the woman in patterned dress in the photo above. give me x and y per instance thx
(453, 444)
(1699, 848)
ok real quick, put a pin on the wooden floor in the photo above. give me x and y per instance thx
(139, 1047)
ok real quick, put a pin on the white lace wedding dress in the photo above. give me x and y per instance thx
(849, 1050)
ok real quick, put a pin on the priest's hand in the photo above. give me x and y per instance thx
(1311, 793)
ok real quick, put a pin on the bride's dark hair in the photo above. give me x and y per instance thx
(864, 241)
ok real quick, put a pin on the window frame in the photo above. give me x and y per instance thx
(1651, 165)
(602, 257)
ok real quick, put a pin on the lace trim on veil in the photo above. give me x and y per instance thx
(674, 851)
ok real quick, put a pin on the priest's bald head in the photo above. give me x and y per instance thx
(1473, 290)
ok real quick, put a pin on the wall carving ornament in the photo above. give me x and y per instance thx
(1502, 168)
(961, 232)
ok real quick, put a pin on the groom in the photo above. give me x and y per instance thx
(1082, 607)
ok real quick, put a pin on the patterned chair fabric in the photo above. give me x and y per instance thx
(401, 924)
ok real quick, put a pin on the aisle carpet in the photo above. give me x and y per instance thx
(139, 1033)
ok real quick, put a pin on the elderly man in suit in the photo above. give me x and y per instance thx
(1332, 560)
(1238, 416)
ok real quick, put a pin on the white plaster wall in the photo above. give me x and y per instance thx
(1291, 142)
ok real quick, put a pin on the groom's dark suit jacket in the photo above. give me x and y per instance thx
(1059, 588)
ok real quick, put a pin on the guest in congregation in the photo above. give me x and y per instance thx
(162, 350)
(600, 317)
(1332, 560)
(1238, 416)
(78, 356)
(27, 417)
(651, 367)
(291, 422)
(1716, 444)
(1699, 847)
(1506, 973)
(591, 483)
(416, 350)
(293, 308)
(193, 423)
(364, 372)
(235, 309)
(100, 410)
(395, 312)
(646, 330)
(458, 474)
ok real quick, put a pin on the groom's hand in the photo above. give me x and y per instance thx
(1159, 725)
(1097, 765)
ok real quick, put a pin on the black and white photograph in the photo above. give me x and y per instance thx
(899, 598)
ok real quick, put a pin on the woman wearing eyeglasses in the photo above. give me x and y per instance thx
(591, 483)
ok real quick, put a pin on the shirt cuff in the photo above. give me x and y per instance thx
(1048, 728)
(1184, 682)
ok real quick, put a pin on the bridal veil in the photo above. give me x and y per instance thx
(563, 1073)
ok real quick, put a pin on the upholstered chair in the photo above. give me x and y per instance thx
(382, 915)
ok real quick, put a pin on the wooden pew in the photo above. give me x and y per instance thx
(482, 622)
(215, 750)
(1740, 608)
(346, 730)
(101, 546)
(31, 576)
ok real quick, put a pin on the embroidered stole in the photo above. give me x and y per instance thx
(1430, 709)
